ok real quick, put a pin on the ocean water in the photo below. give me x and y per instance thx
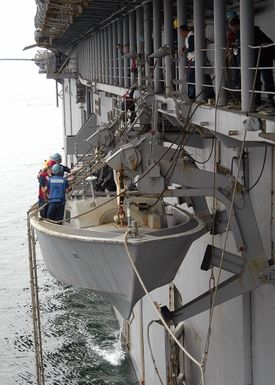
(80, 333)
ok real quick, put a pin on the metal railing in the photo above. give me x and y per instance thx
(115, 71)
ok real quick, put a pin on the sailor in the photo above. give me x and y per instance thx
(232, 61)
(265, 57)
(188, 36)
(47, 166)
(56, 189)
(43, 178)
(231, 35)
(105, 179)
(128, 104)
(58, 159)
(189, 39)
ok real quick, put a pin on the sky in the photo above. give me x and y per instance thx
(20, 79)
(22, 88)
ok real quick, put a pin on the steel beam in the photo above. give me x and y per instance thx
(83, 58)
(101, 40)
(148, 43)
(81, 55)
(252, 251)
(87, 58)
(220, 43)
(120, 47)
(125, 47)
(168, 41)
(132, 43)
(199, 45)
(247, 38)
(110, 54)
(114, 58)
(140, 44)
(90, 58)
(106, 55)
(100, 57)
(182, 19)
(93, 57)
(206, 116)
(96, 58)
(214, 256)
(157, 43)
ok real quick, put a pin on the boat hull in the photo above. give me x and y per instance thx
(91, 260)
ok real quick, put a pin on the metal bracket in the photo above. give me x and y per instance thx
(268, 275)
(219, 222)
(249, 268)
(231, 262)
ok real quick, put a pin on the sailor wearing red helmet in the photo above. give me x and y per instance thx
(43, 178)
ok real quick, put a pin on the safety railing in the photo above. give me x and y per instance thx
(257, 70)
(132, 70)
(268, 83)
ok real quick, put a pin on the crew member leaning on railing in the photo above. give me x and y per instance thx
(189, 39)
(266, 56)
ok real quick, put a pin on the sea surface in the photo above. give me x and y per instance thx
(80, 335)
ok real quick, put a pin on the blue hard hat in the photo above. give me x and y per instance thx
(56, 157)
(57, 169)
(230, 14)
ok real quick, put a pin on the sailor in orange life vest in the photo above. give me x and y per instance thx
(43, 178)
(56, 189)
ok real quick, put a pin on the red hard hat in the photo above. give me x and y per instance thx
(50, 163)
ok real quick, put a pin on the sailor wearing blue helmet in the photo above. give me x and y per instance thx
(58, 159)
(56, 189)
(230, 14)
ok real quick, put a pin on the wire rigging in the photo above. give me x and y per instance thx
(261, 172)
(216, 282)
(162, 320)
(151, 351)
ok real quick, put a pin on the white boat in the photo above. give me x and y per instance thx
(91, 253)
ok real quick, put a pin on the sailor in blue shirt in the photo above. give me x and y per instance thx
(57, 187)
(58, 159)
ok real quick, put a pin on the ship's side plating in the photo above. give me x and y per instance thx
(103, 60)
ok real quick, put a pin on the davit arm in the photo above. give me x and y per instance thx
(156, 168)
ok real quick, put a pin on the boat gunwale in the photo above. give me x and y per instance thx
(119, 237)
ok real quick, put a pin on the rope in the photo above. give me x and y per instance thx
(215, 290)
(141, 177)
(261, 172)
(197, 363)
(151, 351)
(83, 156)
(207, 159)
(180, 146)
(255, 78)
(212, 278)
(35, 299)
